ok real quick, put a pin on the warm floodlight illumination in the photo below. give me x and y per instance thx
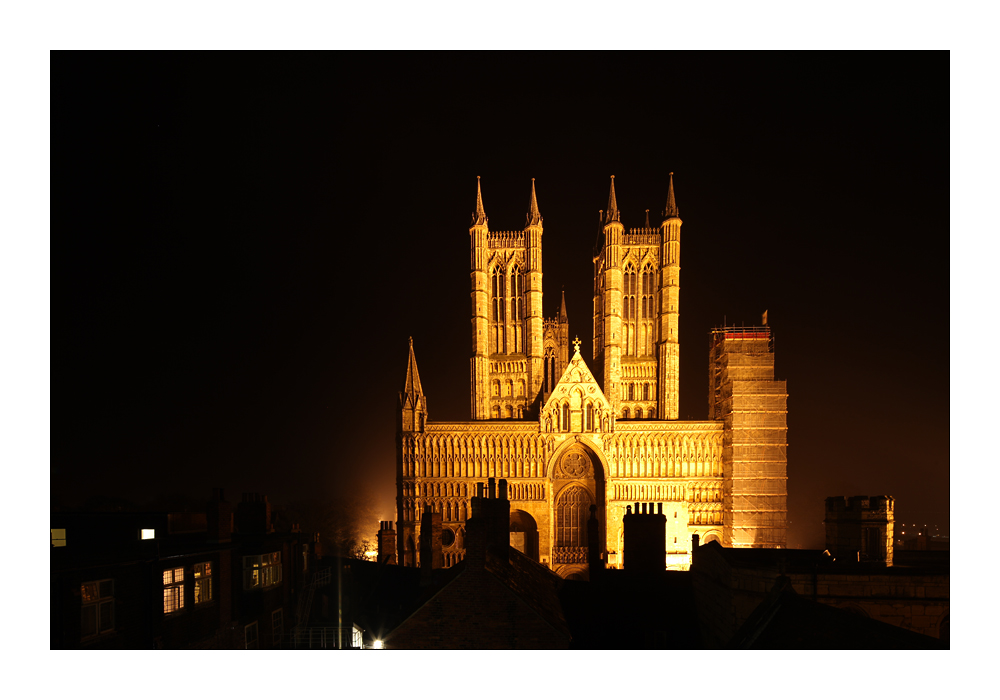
(147, 534)
(377, 644)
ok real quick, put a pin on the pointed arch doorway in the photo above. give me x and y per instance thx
(577, 484)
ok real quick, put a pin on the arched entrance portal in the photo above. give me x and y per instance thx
(524, 534)
(577, 484)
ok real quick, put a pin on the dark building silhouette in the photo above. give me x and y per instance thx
(175, 580)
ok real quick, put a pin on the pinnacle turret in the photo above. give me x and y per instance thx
(647, 219)
(412, 375)
(534, 216)
(612, 213)
(672, 211)
(480, 215)
(562, 309)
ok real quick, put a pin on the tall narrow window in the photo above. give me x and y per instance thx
(203, 583)
(648, 309)
(629, 311)
(173, 590)
(572, 512)
(516, 291)
(97, 610)
(499, 325)
(565, 418)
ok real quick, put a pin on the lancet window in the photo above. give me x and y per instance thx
(516, 305)
(549, 365)
(629, 311)
(648, 311)
(499, 326)
(572, 512)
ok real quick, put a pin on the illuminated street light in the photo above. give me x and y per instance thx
(377, 644)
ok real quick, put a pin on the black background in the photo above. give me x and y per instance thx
(243, 244)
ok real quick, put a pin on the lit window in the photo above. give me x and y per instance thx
(202, 583)
(97, 612)
(173, 590)
(356, 638)
(250, 635)
(262, 570)
(147, 534)
(59, 538)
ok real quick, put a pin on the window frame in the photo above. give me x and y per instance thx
(277, 626)
(97, 605)
(175, 586)
(258, 573)
(247, 636)
(205, 577)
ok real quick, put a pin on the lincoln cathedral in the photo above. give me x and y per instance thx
(567, 435)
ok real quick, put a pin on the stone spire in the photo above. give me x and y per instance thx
(412, 402)
(672, 210)
(612, 213)
(647, 219)
(412, 375)
(480, 212)
(534, 216)
(562, 309)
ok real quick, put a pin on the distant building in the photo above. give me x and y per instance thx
(567, 436)
(860, 527)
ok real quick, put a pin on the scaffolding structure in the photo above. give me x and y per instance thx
(744, 394)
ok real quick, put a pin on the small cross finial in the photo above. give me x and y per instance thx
(576, 344)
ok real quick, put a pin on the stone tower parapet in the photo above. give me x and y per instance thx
(860, 527)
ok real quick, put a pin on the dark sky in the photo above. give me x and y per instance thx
(245, 242)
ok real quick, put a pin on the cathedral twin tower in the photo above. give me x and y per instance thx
(636, 309)
(567, 436)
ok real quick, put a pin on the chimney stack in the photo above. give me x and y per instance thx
(595, 553)
(253, 515)
(386, 543)
(219, 515)
(489, 525)
(430, 541)
(645, 540)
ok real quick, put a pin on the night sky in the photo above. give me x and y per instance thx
(247, 241)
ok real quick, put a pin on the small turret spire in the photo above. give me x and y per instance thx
(672, 210)
(612, 214)
(534, 217)
(480, 212)
(412, 375)
(647, 218)
(562, 309)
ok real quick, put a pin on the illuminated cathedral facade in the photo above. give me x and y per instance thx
(567, 435)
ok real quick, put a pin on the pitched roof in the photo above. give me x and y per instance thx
(786, 620)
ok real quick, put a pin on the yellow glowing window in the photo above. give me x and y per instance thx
(147, 534)
(173, 590)
(58, 538)
(202, 583)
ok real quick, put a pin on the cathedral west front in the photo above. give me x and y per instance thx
(567, 435)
